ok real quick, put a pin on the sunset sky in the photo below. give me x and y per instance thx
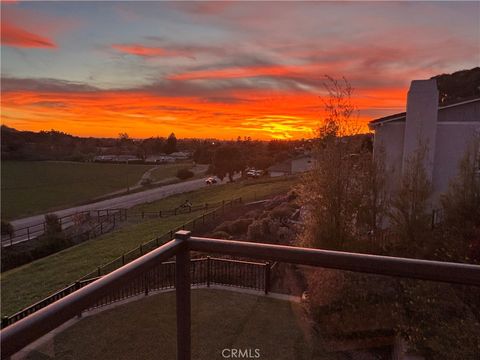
(219, 69)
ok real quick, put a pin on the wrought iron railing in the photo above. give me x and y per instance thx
(25, 331)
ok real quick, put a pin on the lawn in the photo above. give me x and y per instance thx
(249, 190)
(34, 281)
(169, 171)
(145, 329)
(33, 187)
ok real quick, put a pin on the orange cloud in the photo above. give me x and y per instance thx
(147, 51)
(15, 36)
(261, 114)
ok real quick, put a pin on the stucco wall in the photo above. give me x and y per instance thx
(452, 141)
(455, 130)
(389, 139)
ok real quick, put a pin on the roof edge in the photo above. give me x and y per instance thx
(401, 116)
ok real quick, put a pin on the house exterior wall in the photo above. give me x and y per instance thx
(388, 143)
(301, 164)
(452, 143)
(421, 123)
(455, 128)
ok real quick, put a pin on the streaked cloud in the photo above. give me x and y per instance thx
(17, 37)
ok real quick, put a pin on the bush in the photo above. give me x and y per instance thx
(52, 224)
(7, 228)
(220, 235)
(23, 253)
(224, 227)
(146, 181)
(184, 174)
(239, 226)
(253, 214)
(282, 212)
(234, 227)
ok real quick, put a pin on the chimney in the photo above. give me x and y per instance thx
(421, 121)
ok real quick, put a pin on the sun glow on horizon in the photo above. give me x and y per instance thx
(217, 69)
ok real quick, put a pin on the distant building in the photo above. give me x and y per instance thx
(116, 158)
(160, 159)
(291, 166)
(181, 155)
(446, 131)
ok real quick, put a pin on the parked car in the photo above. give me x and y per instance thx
(254, 173)
(211, 180)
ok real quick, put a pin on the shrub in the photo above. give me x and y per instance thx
(239, 226)
(220, 235)
(146, 181)
(282, 212)
(253, 214)
(184, 174)
(7, 228)
(52, 224)
(224, 227)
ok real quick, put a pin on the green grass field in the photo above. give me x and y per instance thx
(32, 187)
(32, 282)
(145, 329)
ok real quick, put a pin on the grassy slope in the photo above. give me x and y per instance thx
(145, 329)
(32, 282)
(169, 170)
(32, 187)
(249, 190)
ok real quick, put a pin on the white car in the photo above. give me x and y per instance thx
(211, 180)
(254, 173)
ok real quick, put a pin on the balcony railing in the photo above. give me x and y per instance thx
(25, 331)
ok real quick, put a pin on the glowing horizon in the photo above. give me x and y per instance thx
(219, 69)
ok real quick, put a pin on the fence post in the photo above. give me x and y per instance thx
(182, 285)
(143, 214)
(146, 283)
(160, 214)
(208, 270)
(101, 227)
(267, 278)
(4, 321)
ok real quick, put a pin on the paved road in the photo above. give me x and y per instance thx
(125, 201)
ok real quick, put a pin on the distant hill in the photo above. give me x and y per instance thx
(458, 86)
